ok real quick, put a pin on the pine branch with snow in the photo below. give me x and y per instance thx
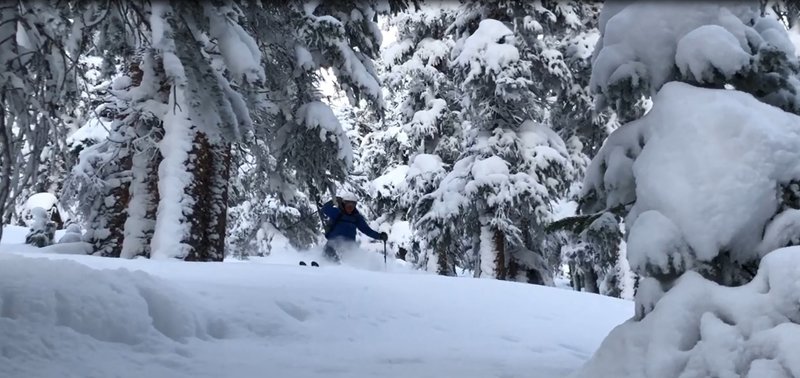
(750, 52)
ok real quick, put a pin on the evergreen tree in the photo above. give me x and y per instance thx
(437, 242)
(554, 41)
(513, 167)
(37, 84)
(173, 161)
(569, 31)
(102, 179)
(42, 230)
(420, 130)
(303, 150)
(178, 117)
(761, 63)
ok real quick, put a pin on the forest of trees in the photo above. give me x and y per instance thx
(468, 136)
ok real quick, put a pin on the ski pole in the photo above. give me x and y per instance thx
(384, 257)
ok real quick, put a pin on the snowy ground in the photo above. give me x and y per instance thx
(81, 316)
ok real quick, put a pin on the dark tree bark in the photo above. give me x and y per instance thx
(590, 281)
(210, 166)
(5, 162)
(441, 262)
(151, 188)
(110, 244)
(500, 257)
(201, 167)
(218, 227)
(112, 217)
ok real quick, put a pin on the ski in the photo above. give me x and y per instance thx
(313, 263)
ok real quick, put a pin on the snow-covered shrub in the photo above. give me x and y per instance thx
(48, 202)
(43, 230)
(702, 329)
(73, 234)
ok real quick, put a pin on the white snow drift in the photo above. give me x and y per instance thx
(701, 329)
(98, 317)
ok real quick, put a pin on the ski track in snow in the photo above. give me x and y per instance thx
(270, 317)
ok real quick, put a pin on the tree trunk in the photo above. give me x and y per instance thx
(575, 277)
(176, 181)
(513, 269)
(442, 266)
(577, 282)
(118, 212)
(211, 173)
(590, 281)
(143, 202)
(476, 255)
(201, 168)
(144, 195)
(5, 162)
(534, 277)
(153, 196)
(110, 211)
(193, 196)
(441, 245)
(8, 51)
(500, 254)
(220, 194)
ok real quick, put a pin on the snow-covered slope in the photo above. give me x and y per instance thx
(67, 315)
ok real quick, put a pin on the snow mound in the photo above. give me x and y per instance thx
(720, 189)
(72, 234)
(55, 310)
(701, 329)
(240, 318)
(15, 234)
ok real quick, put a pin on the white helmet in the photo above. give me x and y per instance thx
(348, 197)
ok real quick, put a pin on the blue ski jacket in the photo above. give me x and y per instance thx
(345, 225)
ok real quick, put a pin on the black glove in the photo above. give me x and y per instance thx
(384, 236)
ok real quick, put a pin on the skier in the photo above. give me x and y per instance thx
(342, 224)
